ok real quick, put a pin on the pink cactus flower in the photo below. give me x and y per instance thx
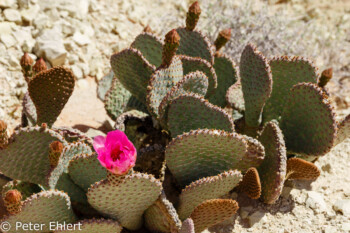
(115, 152)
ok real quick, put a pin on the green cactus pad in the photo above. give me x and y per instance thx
(76, 194)
(194, 82)
(193, 64)
(95, 226)
(191, 111)
(67, 154)
(150, 160)
(116, 99)
(187, 226)
(109, 198)
(162, 216)
(25, 188)
(150, 46)
(29, 109)
(85, 170)
(195, 44)
(205, 189)
(26, 158)
(202, 153)
(133, 71)
(234, 97)
(50, 91)
(226, 73)
(104, 85)
(273, 169)
(43, 208)
(286, 72)
(213, 212)
(307, 121)
(343, 130)
(256, 83)
(161, 83)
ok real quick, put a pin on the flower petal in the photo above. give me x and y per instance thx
(99, 144)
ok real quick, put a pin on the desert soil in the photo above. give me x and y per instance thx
(83, 36)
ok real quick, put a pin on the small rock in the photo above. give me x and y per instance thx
(316, 202)
(81, 39)
(8, 40)
(94, 132)
(13, 61)
(12, 15)
(50, 45)
(330, 229)
(7, 3)
(256, 217)
(77, 72)
(6, 27)
(342, 206)
(345, 227)
(28, 15)
(244, 211)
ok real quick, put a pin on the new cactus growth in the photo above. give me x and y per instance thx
(189, 129)
(26, 63)
(326, 75)
(39, 66)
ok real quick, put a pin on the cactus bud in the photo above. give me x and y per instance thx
(13, 201)
(26, 64)
(55, 151)
(222, 38)
(172, 42)
(193, 16)
(3, 134)
(325, 77)
(148, 29)
(39, 65)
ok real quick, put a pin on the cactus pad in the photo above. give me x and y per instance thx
(193, 64)
(256, 83)
(26, 158)
(206, 189)
(191, 111)
(50, 91)
(76, 194)
(187, 226)
(286, 72)
(68, 153)
(108, 197)
(161, 83)
(299, 169)
(150, 46)
(195, 44)
(104, 85)
(44, 208)
(215, 151)
(116, 99)
(212, 212)
(234, 97)
(343, 130)
(133, 71)
(85, 170)
(162, 216)
(307, 121)
(250, 184)
(194, 82)
(226, 73)
(273, 169)
(29, 109)
(95, 226)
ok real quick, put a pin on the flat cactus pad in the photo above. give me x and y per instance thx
(299, 169)
(150, 46)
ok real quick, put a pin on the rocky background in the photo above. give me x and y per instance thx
(83, 34)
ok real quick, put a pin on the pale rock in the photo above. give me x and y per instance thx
(85, 68)
(7, 3)
(244, 211)
(23, 34)
(50, 45)
(42, 21)
(77, 71)
(23, 3)
(96, 68)
(12, 15)
(81, 39)
(94, 132)
(6, 27)
(343, 206)
(330, 229)
(256, 217)
(83, 84)
(316, 201)
(76, 9)
(345, 227)
(14, 62)
(8, 40)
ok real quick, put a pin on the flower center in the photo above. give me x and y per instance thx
(115, 154)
